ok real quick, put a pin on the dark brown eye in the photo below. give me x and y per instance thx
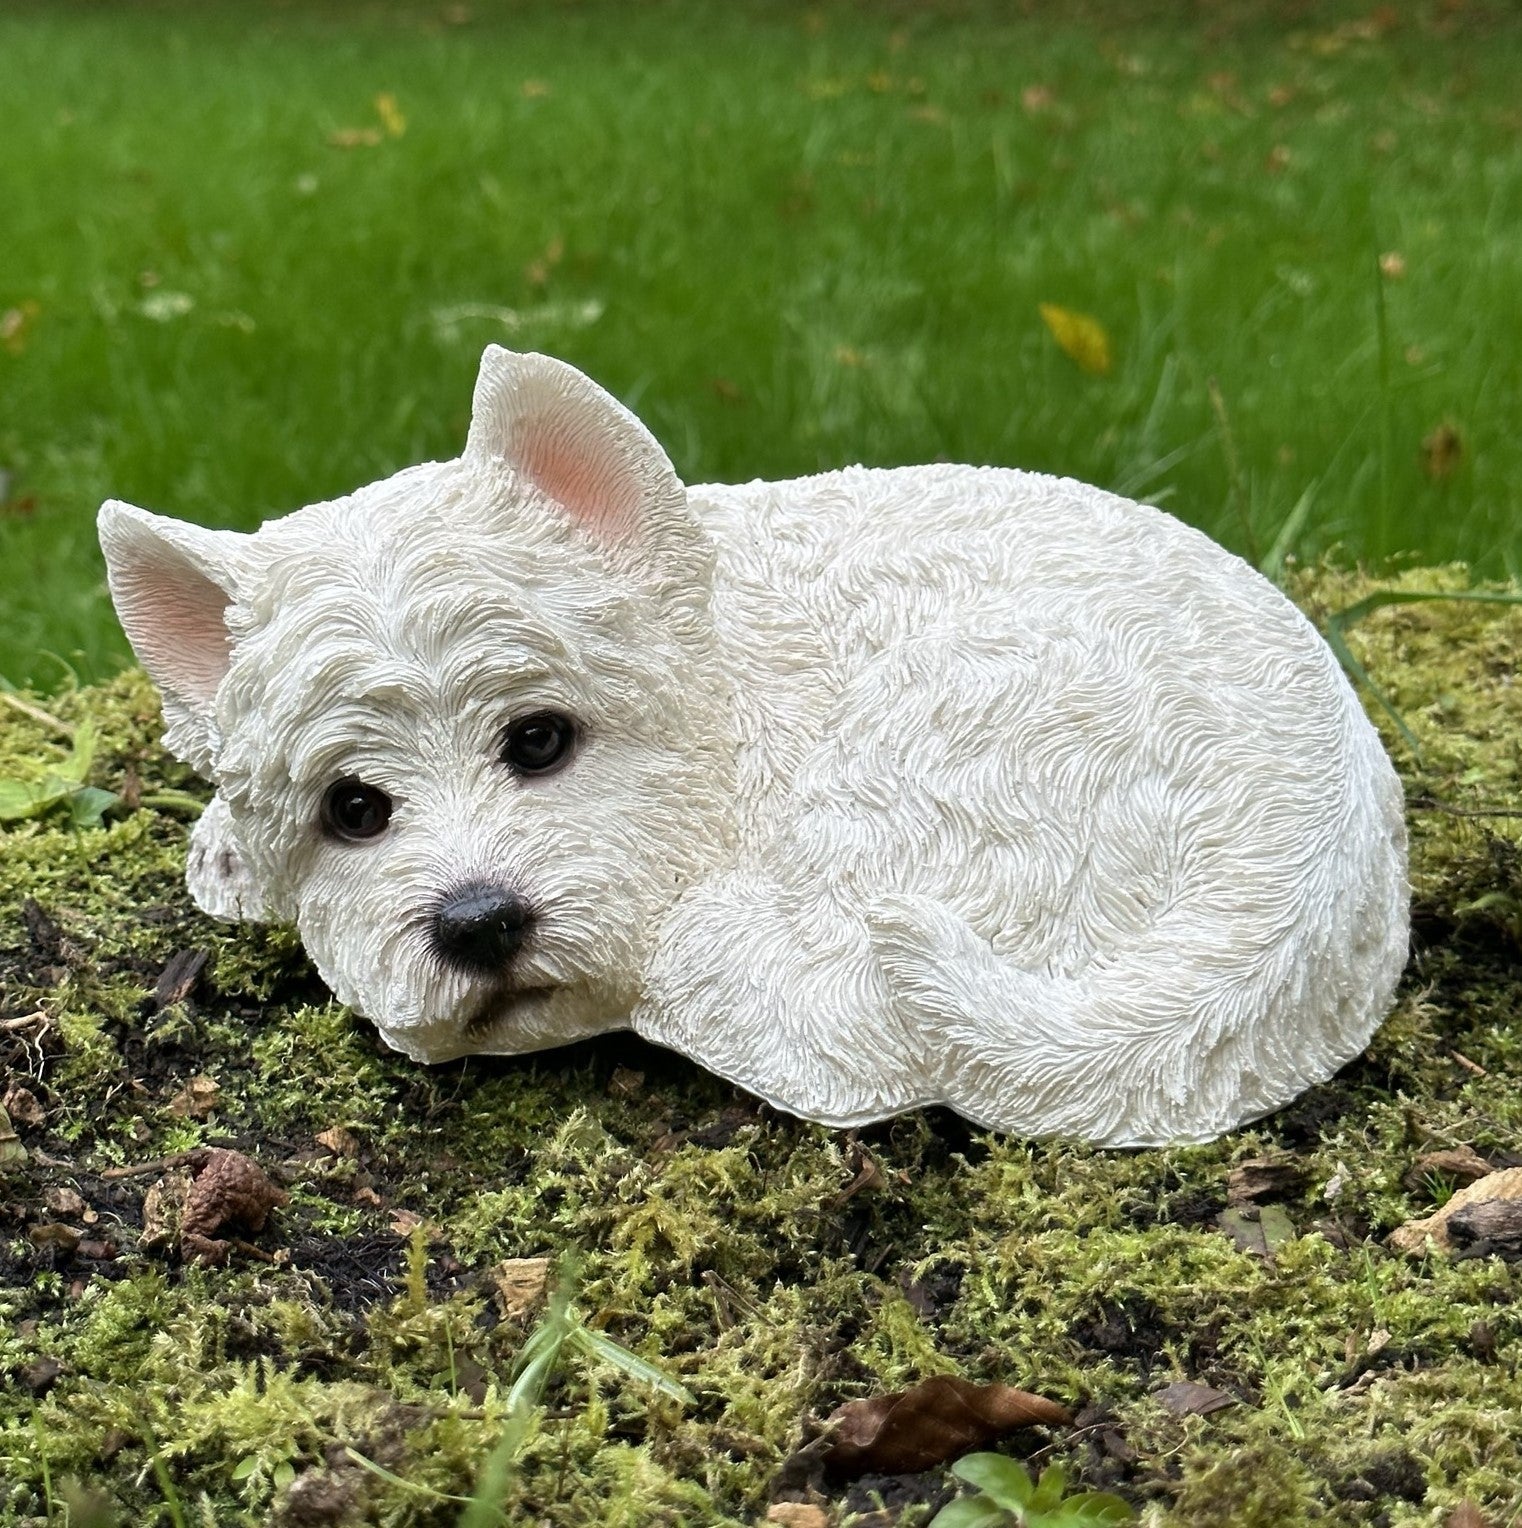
(538, 744)
(356, 811)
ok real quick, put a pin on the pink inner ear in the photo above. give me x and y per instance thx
(181, 635)
(578, 466)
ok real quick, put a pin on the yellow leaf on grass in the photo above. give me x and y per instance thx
(1081, 337)
(390, 114)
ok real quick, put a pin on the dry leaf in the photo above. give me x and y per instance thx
(355, 137)
(53, 1237)
(520, 1283)
(1186, 1398)
(199, 1098)
(405, 1222)
(1442, 451)
(341, 1142)
(12, 1152)
(15, 325)
(63, 1201)
(534, 90)
(1081, 338)
(626, 1082)
(1466, 1515)
(1460, 1164)
(1412, 1238)
(390, 114)
(1392, 265)
(937, 1420)
(226, 1189)
(1262, 1178)
(22, 1106)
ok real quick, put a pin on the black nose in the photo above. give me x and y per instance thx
(479, 927)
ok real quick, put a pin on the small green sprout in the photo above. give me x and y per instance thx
(61, 784)
(1008, 1498)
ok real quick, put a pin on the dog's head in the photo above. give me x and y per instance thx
(465, 721)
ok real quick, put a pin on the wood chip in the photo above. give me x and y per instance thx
(1459, 1165)
(1263, 1178)
(1415, 1236)
(797, 1514)
(179, 978)
(520, 1283)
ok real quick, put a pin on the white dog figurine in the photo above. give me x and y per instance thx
(868, 790)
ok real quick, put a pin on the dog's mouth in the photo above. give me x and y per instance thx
(502, 1003)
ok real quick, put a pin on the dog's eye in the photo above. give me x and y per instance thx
(537, 744)
(353, 810)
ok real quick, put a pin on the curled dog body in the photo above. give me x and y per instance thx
(868, 790)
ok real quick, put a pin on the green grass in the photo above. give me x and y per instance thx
(790, 238)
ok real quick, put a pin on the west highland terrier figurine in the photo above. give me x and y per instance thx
(867, 790)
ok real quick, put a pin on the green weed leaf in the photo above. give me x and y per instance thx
(1092, 1507)
(1005, 1480)
(971, 1512)
(597, 1345)
(1049, 1488)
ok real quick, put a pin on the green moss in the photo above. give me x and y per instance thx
(721, 1240)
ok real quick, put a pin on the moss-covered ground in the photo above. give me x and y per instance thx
(719, 1239)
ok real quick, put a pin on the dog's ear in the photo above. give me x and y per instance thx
(582, 448)
(171, 583)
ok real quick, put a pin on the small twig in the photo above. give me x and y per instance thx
(26, 1019)
(142, 1169)
(37, 714)
(1468, 1065)
(1432, 804)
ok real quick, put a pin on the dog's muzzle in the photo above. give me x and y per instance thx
(478, 928)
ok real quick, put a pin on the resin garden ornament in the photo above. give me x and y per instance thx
(934, 785)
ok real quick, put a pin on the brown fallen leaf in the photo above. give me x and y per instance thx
(54, 1237)
(1466, 1515)
(936, 1420)
(1262, 1178)
(520, 1283)
(1458, 1164)
(1442, 451)
(1188, 1398)
(12, 1152)
(626, 1083)
(1413, 1237)
(63, 1201)
(199, 1098)
(22, 1106)
(338, 1140)
(227, 1189)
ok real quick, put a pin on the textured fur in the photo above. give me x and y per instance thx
(933, 785)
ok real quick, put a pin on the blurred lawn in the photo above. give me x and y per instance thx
(249, 255)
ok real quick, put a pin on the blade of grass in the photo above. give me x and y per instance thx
(1336, 636)
(596, 1345)
(1272, 566)
(392, 1478)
